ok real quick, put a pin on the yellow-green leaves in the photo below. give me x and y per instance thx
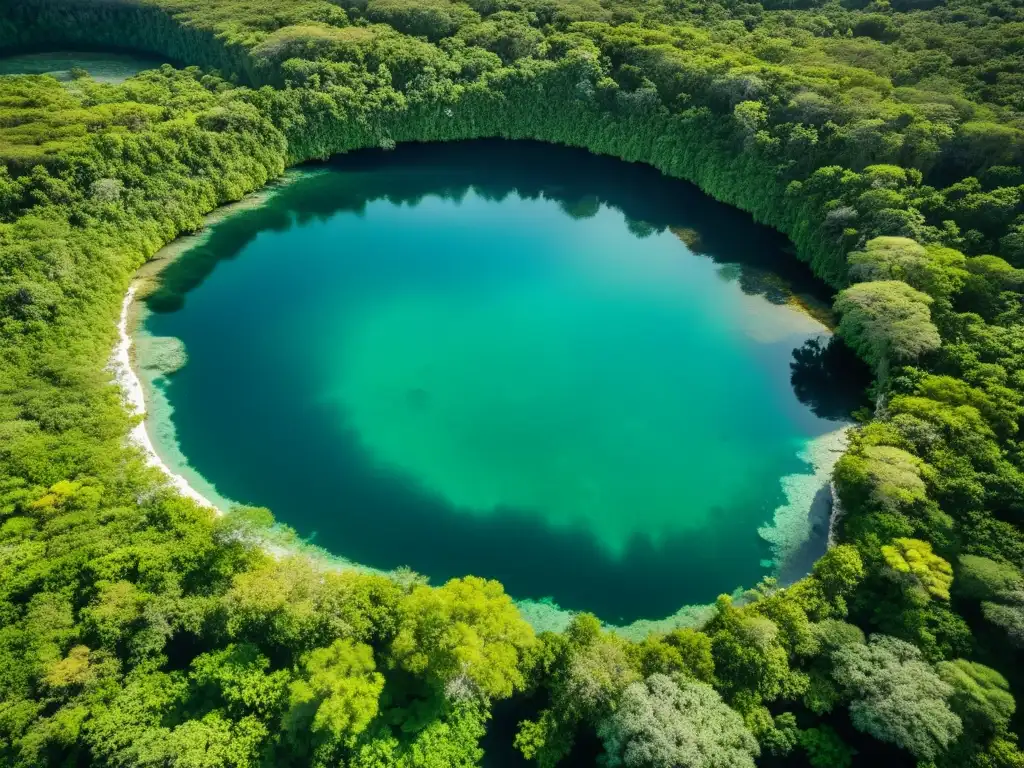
(466, 638)
(981, 696)
(297, 604)
(912, 562)
(336, 695)
(72, 670)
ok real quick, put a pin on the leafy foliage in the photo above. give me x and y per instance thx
(896, 696)
(887, 321)
(825, 749)
(981, 696)
(465, 638)
(913, 561)
(885, 140)
(336, 696)
(981, 578)
(663, 722)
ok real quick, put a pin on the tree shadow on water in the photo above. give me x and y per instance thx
(829, 378)
(759, 259)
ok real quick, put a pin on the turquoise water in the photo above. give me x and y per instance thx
(523, 362)
(105, 67)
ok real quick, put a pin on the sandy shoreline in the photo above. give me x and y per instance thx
(135, 402)
(122, 361)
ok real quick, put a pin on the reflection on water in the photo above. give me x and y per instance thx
(757, 258)
(828, 377)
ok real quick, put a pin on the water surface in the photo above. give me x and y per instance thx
(561, 371)
(102, 66)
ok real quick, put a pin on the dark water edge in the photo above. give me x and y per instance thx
(755, 257)
(103, 63)
(580, 181)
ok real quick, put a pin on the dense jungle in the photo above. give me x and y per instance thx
(884, 139)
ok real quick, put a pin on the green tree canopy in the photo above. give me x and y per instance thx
(887, 322)
(1008, 614)
(936, 272)
(466, 637)
(896, 696)
(676, 723)
(981, 696)
(334, 699)
(981, 578)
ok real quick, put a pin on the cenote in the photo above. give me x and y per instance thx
(513, 360)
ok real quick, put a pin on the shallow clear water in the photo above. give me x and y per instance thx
(105, 67)
(497, 359)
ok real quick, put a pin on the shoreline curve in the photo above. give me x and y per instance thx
(133, 395)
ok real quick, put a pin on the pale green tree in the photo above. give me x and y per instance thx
(887, 322)
(595, 677)
(896, 696)
(676, 723)
(935, 271)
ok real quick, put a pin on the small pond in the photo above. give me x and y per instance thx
(519, 361)
(102, 66)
